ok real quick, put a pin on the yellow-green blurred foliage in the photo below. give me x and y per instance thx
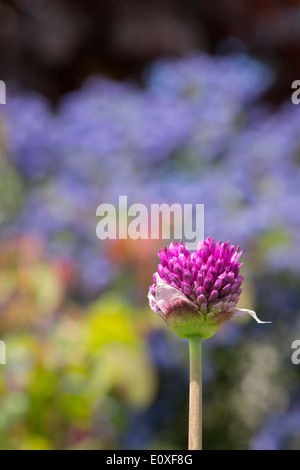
(71, 372)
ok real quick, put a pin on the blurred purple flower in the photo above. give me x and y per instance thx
(186, 129)
(278, 431)
(29, 132)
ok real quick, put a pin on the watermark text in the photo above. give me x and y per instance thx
(296, 354)
(2, 353)
(2, 92)
(158, 221)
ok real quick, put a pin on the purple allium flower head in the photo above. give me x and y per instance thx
(195, 293)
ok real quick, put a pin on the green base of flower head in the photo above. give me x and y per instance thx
(187, 324)
(185, 318)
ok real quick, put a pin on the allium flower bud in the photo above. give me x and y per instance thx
(196, 293)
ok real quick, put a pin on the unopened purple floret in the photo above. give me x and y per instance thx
(209, 277)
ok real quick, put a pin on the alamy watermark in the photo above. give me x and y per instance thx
(296, 354)
(2, 92)
(2, 353)
(296, 94)
(157, 221)
(2, 344)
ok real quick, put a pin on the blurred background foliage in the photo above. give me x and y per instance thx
(163, 101)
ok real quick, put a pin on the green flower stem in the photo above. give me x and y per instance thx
(195, 408)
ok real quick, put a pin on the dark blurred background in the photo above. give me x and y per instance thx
(183, 101)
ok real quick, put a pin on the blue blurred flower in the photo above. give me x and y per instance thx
(196, 133)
